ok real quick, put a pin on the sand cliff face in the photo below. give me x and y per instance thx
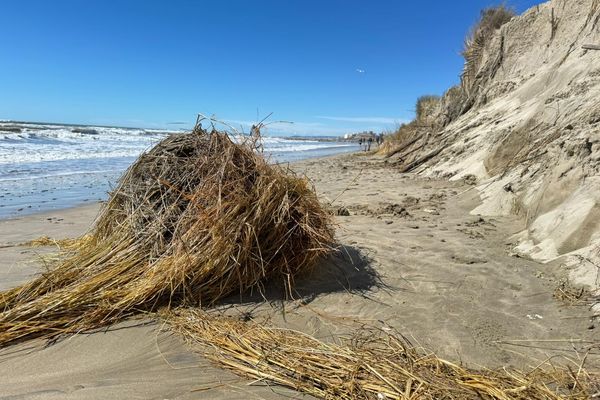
(527, 126)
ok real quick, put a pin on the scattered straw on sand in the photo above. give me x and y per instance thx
(371, 365)
(65, 244)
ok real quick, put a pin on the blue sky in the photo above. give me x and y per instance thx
(156, 63)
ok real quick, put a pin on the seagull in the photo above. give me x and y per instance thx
(360, 71)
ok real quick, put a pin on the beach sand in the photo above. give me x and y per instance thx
(412, 258)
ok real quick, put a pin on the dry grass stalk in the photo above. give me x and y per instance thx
(373, 365)
(66, 244)
(575, 296)
(195, 219)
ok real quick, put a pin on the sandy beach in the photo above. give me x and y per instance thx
(412, 258)
(283, 212)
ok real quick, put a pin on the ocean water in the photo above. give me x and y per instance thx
(45, 166)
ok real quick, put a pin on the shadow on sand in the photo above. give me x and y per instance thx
(347, 270)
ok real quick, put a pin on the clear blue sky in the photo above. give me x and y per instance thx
(152, 63)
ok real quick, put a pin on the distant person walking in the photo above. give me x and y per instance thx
(360, 143)
(369, 142)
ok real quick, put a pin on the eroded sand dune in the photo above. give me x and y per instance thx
(529, 133)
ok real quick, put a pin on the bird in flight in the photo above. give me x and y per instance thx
(360, 71)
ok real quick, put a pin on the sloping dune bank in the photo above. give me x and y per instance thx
(412, 258)
(525, 124)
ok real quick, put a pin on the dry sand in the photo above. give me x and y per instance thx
(413, 258)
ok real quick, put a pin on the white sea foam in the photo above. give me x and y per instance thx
(44, 166)
(56, 174)
(38, 143)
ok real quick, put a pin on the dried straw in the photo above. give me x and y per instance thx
(195, 219)
(62, 244)
(370, 365)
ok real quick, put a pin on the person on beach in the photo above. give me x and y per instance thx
(369, 142)
(360, 142)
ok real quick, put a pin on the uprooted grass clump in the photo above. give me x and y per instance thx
(195, 219)
(372, 364)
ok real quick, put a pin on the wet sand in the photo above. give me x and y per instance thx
(412, 257)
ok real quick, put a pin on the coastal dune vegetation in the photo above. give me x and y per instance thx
(433, 112)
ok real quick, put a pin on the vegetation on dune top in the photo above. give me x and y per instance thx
(434, 112)
(481, 33)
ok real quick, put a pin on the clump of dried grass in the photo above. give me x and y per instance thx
(425, 109)
(372, 365)
(195, 219)
(405, 135)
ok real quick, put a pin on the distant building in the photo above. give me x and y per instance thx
(365, 135)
